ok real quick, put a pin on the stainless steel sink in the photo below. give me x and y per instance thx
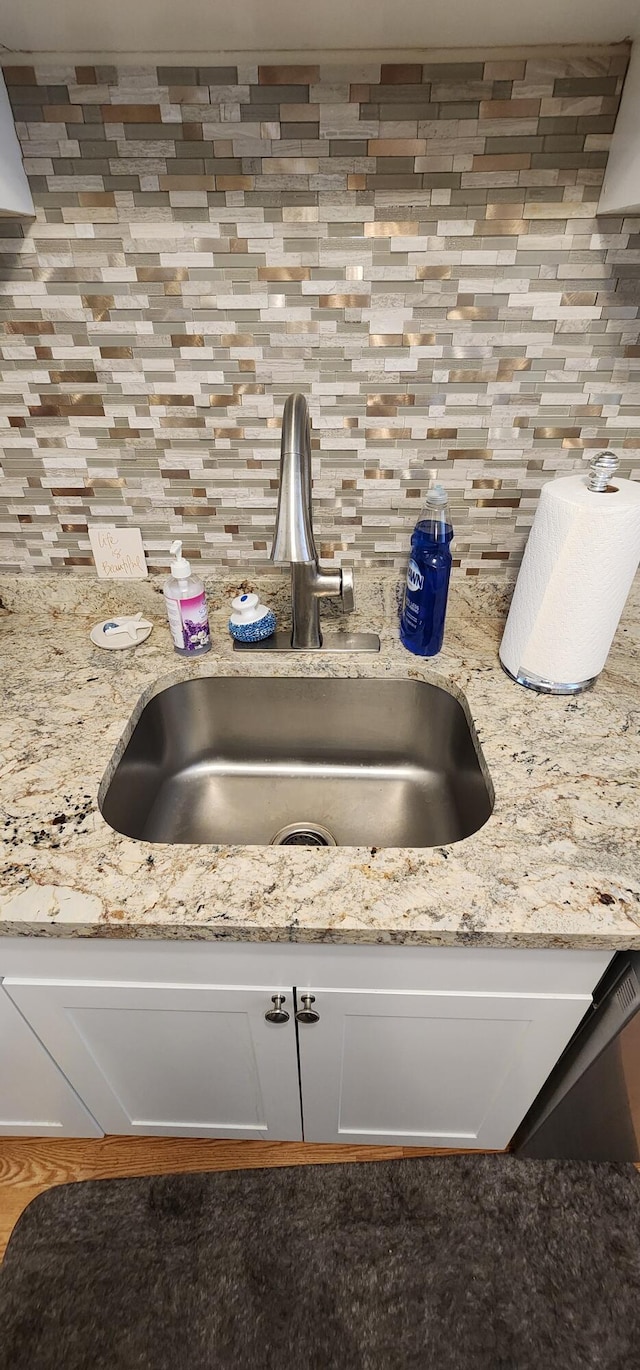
(313, 762)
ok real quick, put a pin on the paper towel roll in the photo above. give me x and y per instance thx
(579, 563)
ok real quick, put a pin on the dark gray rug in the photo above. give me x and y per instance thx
(461, 1263)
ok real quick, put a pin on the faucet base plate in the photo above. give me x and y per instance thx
(280, 641)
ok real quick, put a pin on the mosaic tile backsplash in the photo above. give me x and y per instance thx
(414, 246)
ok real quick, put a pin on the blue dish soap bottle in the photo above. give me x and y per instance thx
(425, 594)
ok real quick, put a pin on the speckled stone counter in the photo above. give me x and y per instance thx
(557, 864)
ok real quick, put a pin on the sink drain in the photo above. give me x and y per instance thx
(303, 835)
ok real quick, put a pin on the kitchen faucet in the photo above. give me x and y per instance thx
(294, 545)
(294, 541)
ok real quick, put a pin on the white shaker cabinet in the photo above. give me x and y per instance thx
(423, 1046)
(35, 1098)
(436, 1069)
(171, 1060)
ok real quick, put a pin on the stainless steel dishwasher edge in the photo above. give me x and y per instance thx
(589, 1108)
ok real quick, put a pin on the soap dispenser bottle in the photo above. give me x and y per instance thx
(186, 601)
(425, 595)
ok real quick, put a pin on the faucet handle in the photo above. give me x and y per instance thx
(347, 591)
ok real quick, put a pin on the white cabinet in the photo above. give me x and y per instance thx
(621, 186)
(171, 1060)
(440, 1069)
(15, 195)
(442, 1047)
(35, 1098)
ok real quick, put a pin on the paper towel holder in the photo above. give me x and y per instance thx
(602, 467)
(542, 686)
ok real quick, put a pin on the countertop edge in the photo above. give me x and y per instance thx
(169, 932)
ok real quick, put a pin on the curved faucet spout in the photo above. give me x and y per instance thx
(293, 540)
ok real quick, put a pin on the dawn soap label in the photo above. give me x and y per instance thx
(118, 553)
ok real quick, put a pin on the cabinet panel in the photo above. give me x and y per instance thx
(15, 192)
(196, 1060)
(35, 1098)
(415, 1045)
(362, 966)
(428, 1069)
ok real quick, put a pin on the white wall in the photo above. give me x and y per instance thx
(172, 27)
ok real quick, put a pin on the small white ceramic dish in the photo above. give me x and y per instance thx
(125, 631)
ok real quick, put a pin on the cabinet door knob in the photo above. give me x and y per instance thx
(277, 1014)
(307, 1014)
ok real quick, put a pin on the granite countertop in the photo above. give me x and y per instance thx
(557, 864)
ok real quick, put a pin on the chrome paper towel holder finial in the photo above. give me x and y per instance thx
(603, 467)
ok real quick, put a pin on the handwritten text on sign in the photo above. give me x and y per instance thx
(118, 553)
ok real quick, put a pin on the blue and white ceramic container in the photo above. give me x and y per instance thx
(251, 621)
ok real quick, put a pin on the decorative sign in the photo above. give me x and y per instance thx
(118, 553)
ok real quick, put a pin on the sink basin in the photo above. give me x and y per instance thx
(312, 762)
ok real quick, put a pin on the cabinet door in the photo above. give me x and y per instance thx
(428, 1068)
(35, 1098)
(171, 1060)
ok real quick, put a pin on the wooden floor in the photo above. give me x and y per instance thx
(29, 1165)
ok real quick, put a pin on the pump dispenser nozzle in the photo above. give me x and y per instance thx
(180, 567)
